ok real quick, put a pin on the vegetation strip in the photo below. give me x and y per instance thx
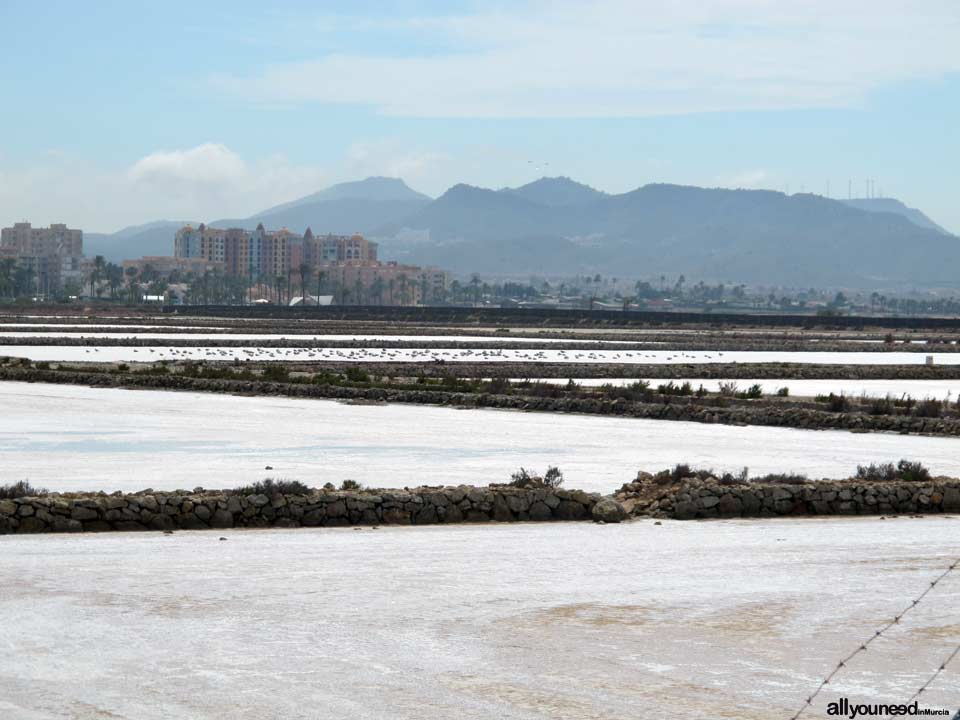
(668, 401)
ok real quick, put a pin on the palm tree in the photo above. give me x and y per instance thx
(475, 284)
(98, 264)
(6, 276)
(320, 276)
(131, 274)
(376, 289)
(304, 270)
(114, 278)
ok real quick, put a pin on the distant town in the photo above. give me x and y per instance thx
(215, 266)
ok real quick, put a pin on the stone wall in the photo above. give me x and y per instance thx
(708, 498)
(152, 510)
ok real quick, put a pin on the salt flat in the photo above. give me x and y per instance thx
(71, 437)
(722, 619)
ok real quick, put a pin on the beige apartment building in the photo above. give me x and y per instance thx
(55, 253)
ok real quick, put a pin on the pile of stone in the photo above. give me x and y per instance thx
(695, 497)
(150, 510)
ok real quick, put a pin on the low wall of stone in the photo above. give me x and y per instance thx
(696, 498)
(200, 510)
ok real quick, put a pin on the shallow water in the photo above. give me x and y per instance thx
(649, 357)
(724, 619)
(299, 336)
(72, 437)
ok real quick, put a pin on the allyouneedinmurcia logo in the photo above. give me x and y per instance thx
(844, 708)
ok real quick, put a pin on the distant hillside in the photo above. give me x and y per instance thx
(890, 205)
(345, 208)
(751, 236)
(556, 192)
(155, 238)
(557, 226)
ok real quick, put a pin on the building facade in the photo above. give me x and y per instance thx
(346, 264)
(54, 254)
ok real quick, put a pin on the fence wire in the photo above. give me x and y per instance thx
(879, 633)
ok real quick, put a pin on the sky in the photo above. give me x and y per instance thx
(115, 113)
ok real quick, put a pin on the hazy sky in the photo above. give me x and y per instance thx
(116, 113)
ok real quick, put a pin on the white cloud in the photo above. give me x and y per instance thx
(207, 164)
(206, 182)
(631, 58)
(393, 159)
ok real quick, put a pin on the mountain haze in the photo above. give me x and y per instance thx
(557, 226)
(341, 209)
(891, 205)
(752, 236)
(155, 238)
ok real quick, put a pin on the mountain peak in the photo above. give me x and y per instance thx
(892, 205)
(558, 191)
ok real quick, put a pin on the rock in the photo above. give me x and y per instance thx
(608, 510)
(336, 509)
(97, 526)
(951, 499)
(259, 500)
(730, 506)
(128, 526)
(452, 514)
(221, 519)
(540, 511)
(570, 510)
(7, 507)
(25, 510)
(396, 516)
(32, 524)
(162, 522)
(83, 514)
(202, 512)
(62, 524)
(426, 516)
(501, 510)
(191, 522)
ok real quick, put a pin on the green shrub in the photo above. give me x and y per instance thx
(269, 486)
(835, 403)
(325, 377)
(20, 489)
(350, 485)
(728, 388)
(680, 471)
(881, 406)
(523, 478)
(671, 388)
(754, 392)
(782, 479)
(275, 373)
(906, 470)
(928, 408)
(357, 375)
(912, 471)
(783, 392)
(498, 386)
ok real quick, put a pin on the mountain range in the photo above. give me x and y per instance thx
(556, 226)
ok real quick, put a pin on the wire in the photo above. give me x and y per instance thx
(878, 633)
